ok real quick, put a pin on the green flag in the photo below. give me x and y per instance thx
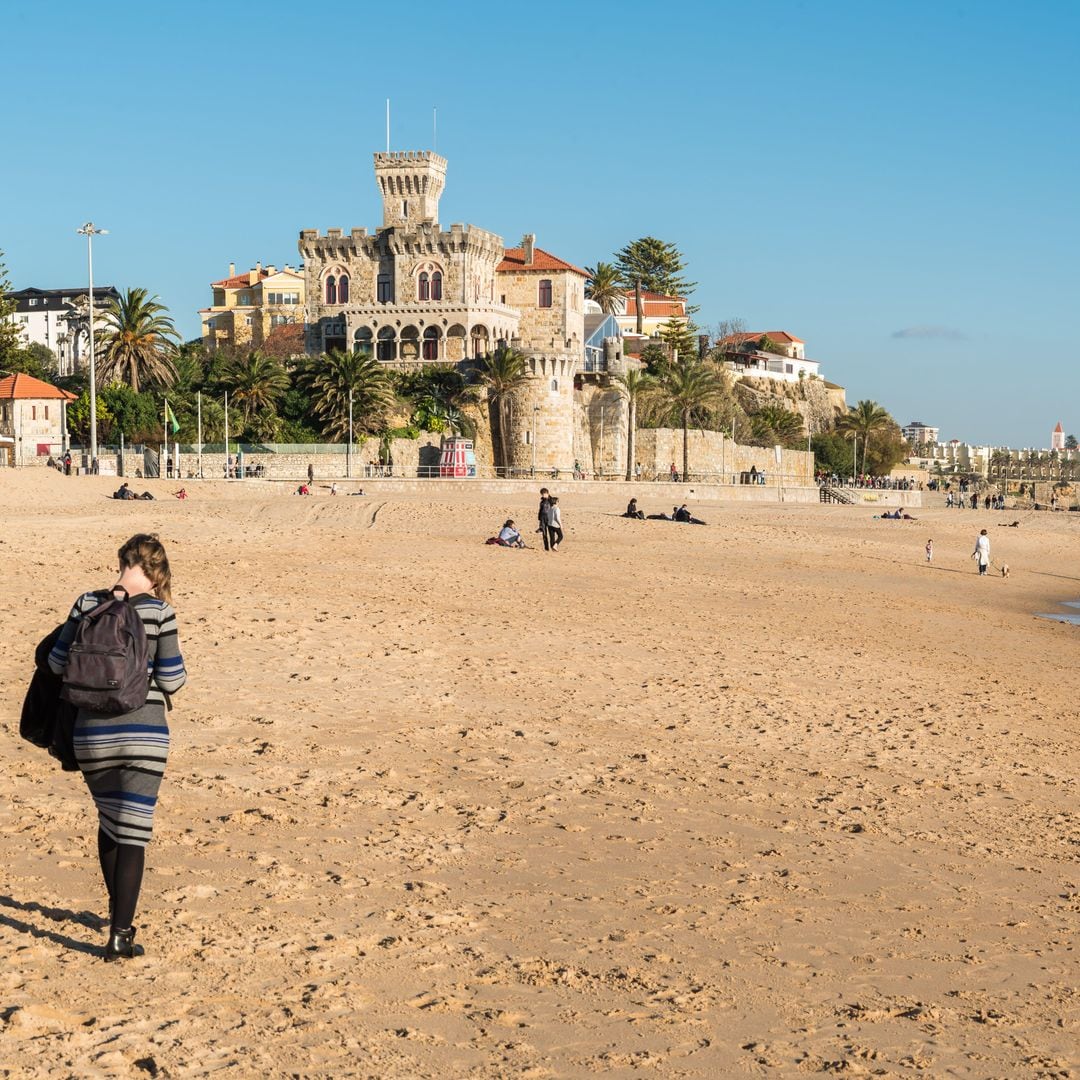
(170, 419)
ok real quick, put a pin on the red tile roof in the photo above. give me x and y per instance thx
(660, 307)
(514, 259)
(241, 281)
(779, 336)
(25, 387)
(1059, 428)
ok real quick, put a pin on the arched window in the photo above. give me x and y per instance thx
(423, 288)
(436, 285)
(331, 290)
(385, 348)
(554, 384)
(431, 343)
(362, 341)
(343, 289)
(544, 298)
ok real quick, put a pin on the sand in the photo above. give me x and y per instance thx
(767, 798)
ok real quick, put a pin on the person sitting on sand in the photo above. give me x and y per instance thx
(303, 489)
(633, 512)
(360, 492)
(181, 494)
(124, 492)
(509, 536)
(683, 514)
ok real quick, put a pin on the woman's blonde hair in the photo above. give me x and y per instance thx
(147, 552)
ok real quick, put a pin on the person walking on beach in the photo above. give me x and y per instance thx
(542, 517)
(122, 757)
(929, 551)
(310, 474)
(555, 523)
(982, 552)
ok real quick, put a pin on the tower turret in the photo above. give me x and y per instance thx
(410, 182)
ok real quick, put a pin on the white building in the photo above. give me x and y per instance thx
(919, 434)
(768, 354)
(1057, 438)
(57, 319)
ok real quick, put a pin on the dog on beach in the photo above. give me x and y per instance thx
(1004, 569)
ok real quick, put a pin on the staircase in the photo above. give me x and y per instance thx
(835, 495)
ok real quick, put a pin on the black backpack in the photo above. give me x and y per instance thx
(107, 664)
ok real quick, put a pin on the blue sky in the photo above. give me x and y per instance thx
(893, 182)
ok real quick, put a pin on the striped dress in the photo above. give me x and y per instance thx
(122, 758)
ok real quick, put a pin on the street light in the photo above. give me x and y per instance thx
(536, 409)
(89, 230)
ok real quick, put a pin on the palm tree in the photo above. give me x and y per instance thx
(503, 372)
(864, 419)
(440, 393)
(256, 382)
(604, 287)
(333, 377)
(784, 425)
(138, 343)
(688, 389)
(634, 385)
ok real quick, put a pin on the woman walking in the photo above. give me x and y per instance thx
(555, 526)
(122, 757)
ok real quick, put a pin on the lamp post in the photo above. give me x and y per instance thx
(536, 409)
(89, 230)
(348, 448)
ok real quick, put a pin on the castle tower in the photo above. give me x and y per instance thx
(410, 182)
(1057, 438)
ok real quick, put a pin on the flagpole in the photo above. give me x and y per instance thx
(200, 432)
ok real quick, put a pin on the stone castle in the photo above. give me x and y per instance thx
(414, 292)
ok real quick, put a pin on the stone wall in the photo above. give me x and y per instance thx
(714, 455)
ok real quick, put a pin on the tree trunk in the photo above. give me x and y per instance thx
(631, 424)
(686, 448)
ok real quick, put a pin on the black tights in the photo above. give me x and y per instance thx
(122, 868)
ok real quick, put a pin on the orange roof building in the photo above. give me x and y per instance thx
(33, 420)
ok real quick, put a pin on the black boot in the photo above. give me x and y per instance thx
(121, 944)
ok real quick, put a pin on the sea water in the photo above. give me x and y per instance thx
(1062, 616)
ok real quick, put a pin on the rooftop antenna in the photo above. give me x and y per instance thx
(388, 125)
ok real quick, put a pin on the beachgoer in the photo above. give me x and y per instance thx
(633, 512)
(555, 523)
(333, 489)
(929, 551)
(303, 489)
(683, 514)
(542, 517)
(67, 463)
(310, 473)
(509, 536)
(181, 494)
(674, 473)
(982, 552)
(124, 492)
(122, 757)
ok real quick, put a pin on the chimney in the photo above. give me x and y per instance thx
(528, 244)
(271, 269)
(232, 269)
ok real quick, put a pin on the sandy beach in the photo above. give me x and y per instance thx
(766, 798)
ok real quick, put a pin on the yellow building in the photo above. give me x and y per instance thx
(248, 307)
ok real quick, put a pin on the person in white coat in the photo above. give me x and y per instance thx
(982, 552)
